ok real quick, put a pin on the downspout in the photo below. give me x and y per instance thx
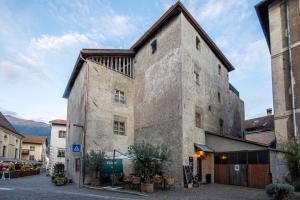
(85, 122)
(290, 63)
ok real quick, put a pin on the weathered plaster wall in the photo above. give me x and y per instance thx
(76, 115)
(158, 94)
(197, 97)
(102, 110)
(278, 167)
(280, 68)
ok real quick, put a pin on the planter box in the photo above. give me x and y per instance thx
(147, 187)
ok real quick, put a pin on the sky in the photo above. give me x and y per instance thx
(40, 41)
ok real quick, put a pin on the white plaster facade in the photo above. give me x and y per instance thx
(57, 143)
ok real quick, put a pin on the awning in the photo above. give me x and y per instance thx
(204, 148)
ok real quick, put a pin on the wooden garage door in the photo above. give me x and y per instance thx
(258, 175)
(222, 174)
(238, 174)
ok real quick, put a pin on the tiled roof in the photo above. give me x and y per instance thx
(262, 137)
(35, 139)
(58, 121)
(260, 124)
(4, 123)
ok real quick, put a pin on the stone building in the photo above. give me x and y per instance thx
(171, 87)
(58, 143)
(10, 140)
(280, 21)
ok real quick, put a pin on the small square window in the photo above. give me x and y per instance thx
(61, 153)
(62, 134)
(153, 46)
(31, 157)
(197, 43)
(119, 96)
(32, 148)
(209, 107)
(119, 128)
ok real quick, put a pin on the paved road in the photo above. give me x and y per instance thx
(39, 187)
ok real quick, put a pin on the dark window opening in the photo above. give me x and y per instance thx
(219, 97)
(198, 120)
(197, 43)
(154, 46)
(209, 107)
(219, 69)
(221, 124)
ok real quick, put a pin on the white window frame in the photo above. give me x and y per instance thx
(119, 96)
(119, 127)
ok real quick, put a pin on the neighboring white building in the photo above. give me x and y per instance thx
(58, 143)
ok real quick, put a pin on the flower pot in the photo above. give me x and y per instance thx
(147, 187)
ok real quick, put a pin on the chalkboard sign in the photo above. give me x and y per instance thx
(188, 175)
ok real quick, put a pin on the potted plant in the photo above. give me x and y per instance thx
(93, 162)
(149, 160)
(280, 191)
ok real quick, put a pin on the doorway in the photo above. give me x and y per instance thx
(199, 169)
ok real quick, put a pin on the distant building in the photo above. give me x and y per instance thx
(35, 148)
(57, 143)
(261, 129)
(10, 139)
(280, 21)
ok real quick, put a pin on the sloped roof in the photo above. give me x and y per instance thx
(35, 139)
(263, 16)
(4, 123)
(260, 124)
(267, 138)
(165, 18)
(58, 121)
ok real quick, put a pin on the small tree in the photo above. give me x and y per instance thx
(293, 160)
(94, 160)
(149, 159)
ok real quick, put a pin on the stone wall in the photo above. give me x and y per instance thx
(76, 115)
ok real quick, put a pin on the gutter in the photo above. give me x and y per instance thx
(290, 63)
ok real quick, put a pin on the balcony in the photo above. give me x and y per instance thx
(25, 151)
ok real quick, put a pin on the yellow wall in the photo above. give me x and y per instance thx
(38, 150)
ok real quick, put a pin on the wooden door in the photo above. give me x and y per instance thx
(199, 169)
(258, 175)
(222, 173)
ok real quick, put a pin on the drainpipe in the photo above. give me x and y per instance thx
(290, 63)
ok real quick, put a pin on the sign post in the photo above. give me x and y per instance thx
(76, 148)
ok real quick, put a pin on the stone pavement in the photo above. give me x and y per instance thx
(40, 187)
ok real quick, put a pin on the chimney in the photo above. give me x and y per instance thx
(269, 111)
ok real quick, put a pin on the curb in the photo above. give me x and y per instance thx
(116, 190)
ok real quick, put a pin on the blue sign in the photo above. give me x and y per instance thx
(76, 147)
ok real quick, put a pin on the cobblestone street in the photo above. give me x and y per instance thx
(40, 187)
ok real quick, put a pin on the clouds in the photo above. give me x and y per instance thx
(9, 71)
(48, 42)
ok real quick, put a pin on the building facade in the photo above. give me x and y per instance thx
(34, 148)
(280, 21)
(57, 143)
(171, 87)
(10, 140)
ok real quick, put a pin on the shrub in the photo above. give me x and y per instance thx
(94, 160)
(149, 159)
(280, 191)
(59, 181)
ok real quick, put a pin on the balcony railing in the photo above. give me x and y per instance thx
(121, 64)
(25, 151)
